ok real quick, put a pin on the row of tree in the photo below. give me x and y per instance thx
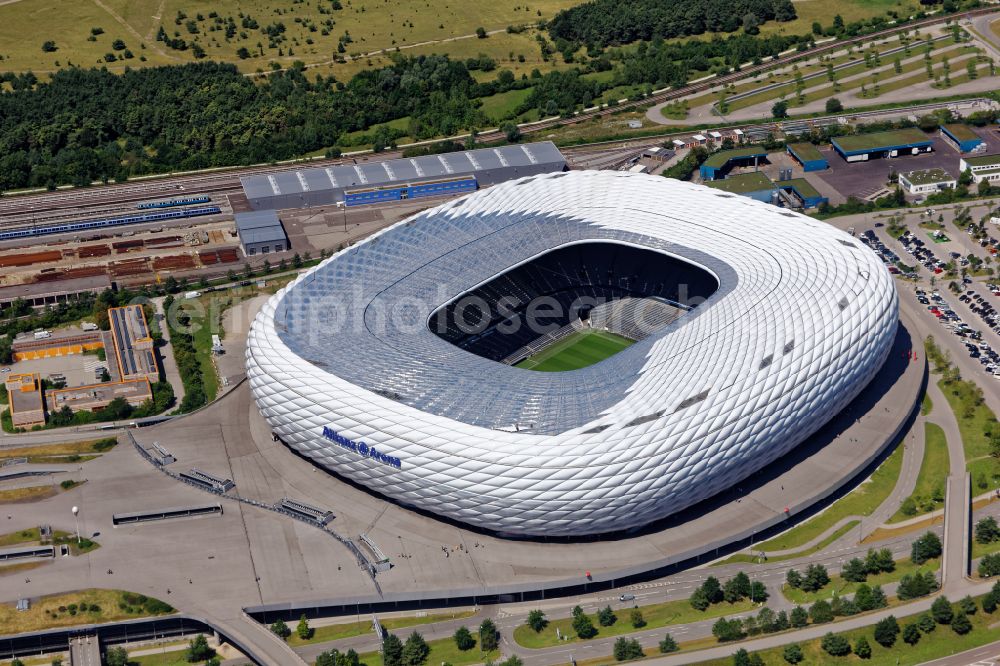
(604, 22)
(737, 588)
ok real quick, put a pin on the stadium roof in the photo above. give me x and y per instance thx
(721, 158)
(742, 183)
(853, 143)
(374, 174)
(344, 368)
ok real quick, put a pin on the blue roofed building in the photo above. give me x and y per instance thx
(961, 137)
(808, 156)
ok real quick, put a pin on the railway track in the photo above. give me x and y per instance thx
(84, 199)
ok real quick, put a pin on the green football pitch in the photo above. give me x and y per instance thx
(577, 351)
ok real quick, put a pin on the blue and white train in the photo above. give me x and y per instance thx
(87, 225)
(189, 201)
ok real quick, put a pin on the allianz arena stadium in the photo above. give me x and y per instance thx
(691, 337)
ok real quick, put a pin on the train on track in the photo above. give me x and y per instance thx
(87, 225)
(171, 203)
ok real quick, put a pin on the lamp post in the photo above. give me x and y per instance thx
(76, 517)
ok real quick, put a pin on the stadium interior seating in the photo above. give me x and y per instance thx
(564, 285)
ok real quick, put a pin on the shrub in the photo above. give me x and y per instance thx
(821, 612)
(835, 645)
(987, 530)
(463, 639)
(925, 548)
(911, 634)
(960, 623)
(668, 645)
(941, 611)
(536, 620)
(638, 622)
(862, 648)
(989, 565)
(793, 654)
(626, 649)
(886, 631)
(606, 617)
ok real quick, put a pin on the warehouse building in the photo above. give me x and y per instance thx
(926, 181)
(961, 137)
(808, 156)
(95, 397)
(133, 344)
(804, 191)
(984, 167)
(261, 232)
(393, 180)
(754, 185)
(894, 143)
(718, 164)
(24, 397)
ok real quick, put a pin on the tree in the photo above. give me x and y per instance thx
(392, 650)
(835, 645)
(925, 548)
(636, 619)
(941, 610)
(821, 612)
(878, 597)
(464, 640)
(960, 624)
(863, 598)
(911, 634)
(854, 571)
(481, 33)
(833, 105)
(582, 625)
(741, 658)
(758, 592)
(879, 561)
(536, 620)
(712, 590)
(302, 630)
(965, 178)
(698, 600)
(511, 132)
(489, 637)
(606, 617)
(862, 648)
(198, 649)
(49, 46)
(793, 653)
(727, 630)
(886, 631)
(668, 645)
(794, 579)
(280, 629)
(415, 650)
(816, 578)
(967, 605)
(926, 623)
(297, 261)
(116, 656)
(780, 109)
(626, 649)
(799, 617)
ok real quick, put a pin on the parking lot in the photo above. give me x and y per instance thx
(78, 369)
(861, 179)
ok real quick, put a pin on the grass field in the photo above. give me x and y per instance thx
(332, 632)
(373, 26)
(664, 614)
(861, 501)
(72, 608)
(576, 351)
(932, 476)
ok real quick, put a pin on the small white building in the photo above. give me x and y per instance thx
(983, 167)
(926, 181)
